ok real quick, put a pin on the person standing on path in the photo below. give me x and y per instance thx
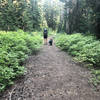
(45, 35)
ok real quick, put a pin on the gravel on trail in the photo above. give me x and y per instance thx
(52, 75)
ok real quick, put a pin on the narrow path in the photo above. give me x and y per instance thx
(52, 75)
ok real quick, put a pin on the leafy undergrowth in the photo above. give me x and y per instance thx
(14, 49)
(84, 48)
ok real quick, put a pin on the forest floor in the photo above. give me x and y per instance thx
(52, 75)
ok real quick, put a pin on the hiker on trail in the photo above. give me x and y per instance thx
(45, 34)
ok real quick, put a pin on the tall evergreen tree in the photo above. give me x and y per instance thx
(82, 16)
(51, 13)
(19, 14)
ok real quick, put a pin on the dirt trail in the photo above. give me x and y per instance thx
(52, 75)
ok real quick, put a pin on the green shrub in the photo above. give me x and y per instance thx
(83, 48)
(96, 77)
(14, 49)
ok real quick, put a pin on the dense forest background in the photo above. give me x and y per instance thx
(82, 16)
(19, 14)
(62, 15)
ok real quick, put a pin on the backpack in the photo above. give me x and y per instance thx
(45, 32)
